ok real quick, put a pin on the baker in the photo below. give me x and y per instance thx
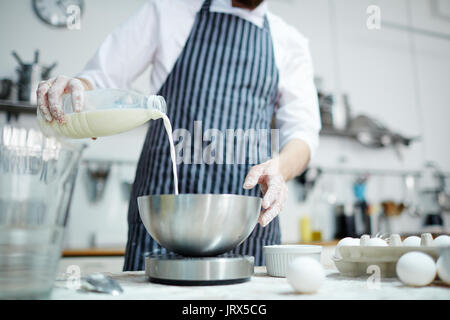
(230, 64)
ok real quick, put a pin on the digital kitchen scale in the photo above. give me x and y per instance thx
(198, 271)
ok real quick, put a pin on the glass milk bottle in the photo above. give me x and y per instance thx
(105, 112)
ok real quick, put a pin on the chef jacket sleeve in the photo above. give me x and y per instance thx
(126, 52)
(298, 114)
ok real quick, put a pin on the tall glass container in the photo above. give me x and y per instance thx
(37, 177)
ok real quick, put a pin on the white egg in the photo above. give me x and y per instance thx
(416, 269)
(412, 241)
(441, 241)
(376, 242)
(305, 275)
(349, 241)
(443, 268)
(363, 240)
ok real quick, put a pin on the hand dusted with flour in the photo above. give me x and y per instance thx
(273, 187)
(49, 97)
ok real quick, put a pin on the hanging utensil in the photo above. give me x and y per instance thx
(373, 134)
(410, 196)
(19, 60)
(47, 70)
(30, 75)
(36, 56)
(97, 174)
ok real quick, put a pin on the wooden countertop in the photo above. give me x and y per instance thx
(330, 243)
(93, 252)
(114, 252)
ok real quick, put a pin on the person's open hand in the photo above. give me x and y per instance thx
(273, 186)
(49, 97)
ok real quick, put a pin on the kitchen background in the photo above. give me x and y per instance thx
(397, 76)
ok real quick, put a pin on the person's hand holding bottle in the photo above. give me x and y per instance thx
(50, 93)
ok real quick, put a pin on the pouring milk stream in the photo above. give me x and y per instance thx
(107, 112)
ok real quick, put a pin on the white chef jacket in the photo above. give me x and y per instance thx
(157, 33)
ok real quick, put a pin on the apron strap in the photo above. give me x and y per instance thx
(266, 23)
(206, 5)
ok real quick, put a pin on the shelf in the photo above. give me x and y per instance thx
(17, 107)
(336, 133)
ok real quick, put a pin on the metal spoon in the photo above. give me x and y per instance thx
(103, 284)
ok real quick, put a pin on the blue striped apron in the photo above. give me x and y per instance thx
(225, 77)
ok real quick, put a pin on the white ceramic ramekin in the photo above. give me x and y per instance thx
(278, 257)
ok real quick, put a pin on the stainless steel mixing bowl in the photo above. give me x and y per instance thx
(199, 225)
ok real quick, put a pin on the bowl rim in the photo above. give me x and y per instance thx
(200, 195)
(292, 248)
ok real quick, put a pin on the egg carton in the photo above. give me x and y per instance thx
(363, 259)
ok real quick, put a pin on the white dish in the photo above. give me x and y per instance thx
(278, 257)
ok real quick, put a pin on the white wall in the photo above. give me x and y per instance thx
(24, 32)
(376, 68)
